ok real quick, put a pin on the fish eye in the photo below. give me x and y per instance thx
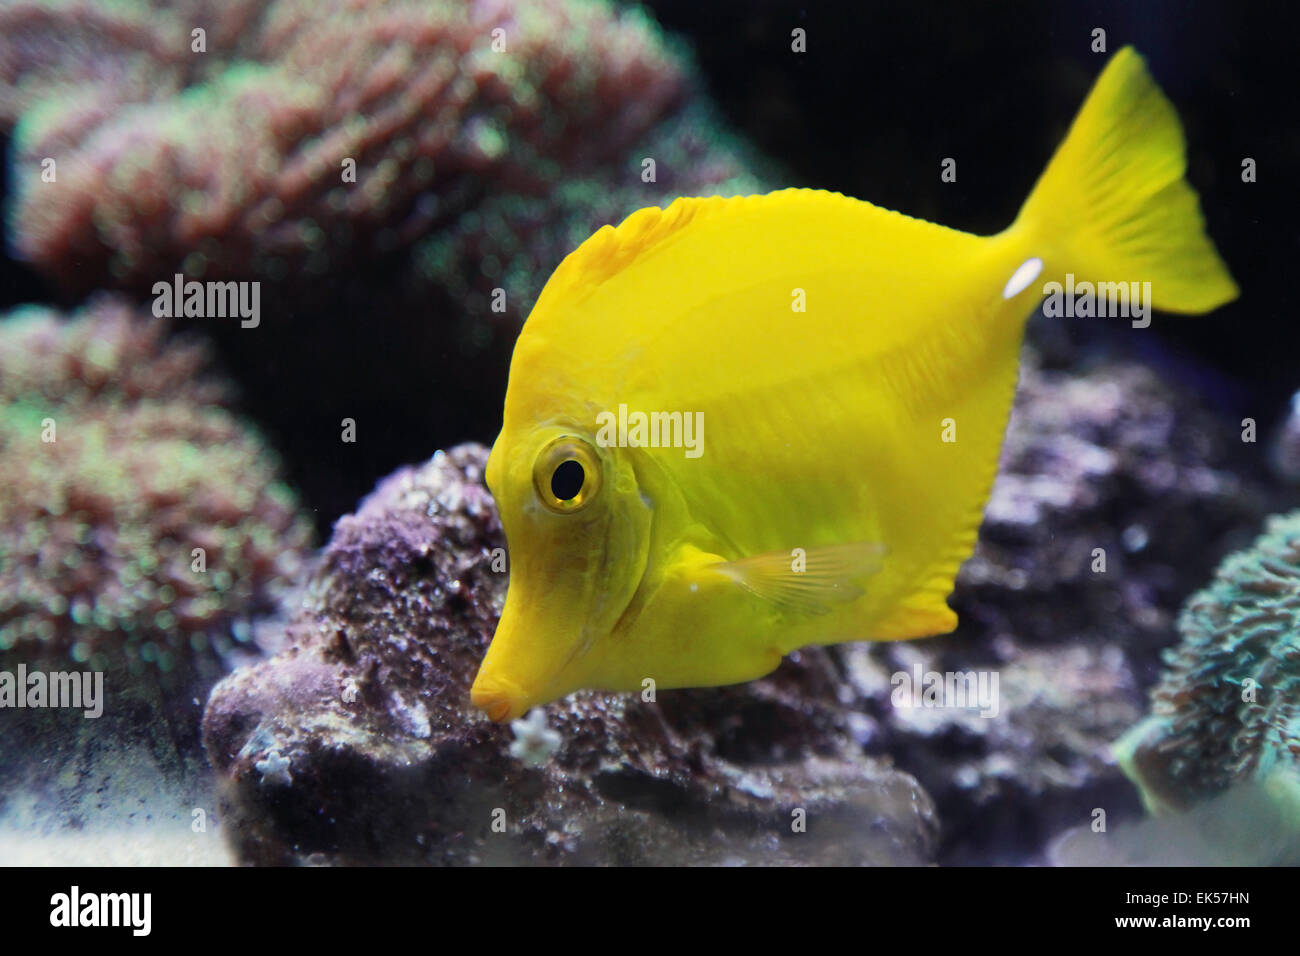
(567, 479)
(566, 475)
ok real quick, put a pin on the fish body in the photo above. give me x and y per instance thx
(848, 372)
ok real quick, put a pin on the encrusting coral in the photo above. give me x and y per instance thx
(1226, 711)
(140, 521)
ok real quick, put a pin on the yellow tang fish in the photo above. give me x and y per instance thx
(736, 427)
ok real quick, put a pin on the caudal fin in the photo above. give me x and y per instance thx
(1113, 203)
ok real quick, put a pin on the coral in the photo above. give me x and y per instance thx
(117, 460)
(372, 697)
(230, 163)
(1226, 711)
(95, 53)
(534, 742)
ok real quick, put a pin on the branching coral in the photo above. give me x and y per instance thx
(140, 521)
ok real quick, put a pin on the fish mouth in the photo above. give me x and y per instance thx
(500, 700)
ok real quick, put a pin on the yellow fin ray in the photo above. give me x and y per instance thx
(807, 581)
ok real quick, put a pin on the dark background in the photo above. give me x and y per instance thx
(884, 92)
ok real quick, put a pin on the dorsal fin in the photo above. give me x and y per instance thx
(611, 249)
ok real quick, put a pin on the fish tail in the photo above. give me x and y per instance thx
(1113, 203)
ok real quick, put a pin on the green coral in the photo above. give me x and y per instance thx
(1225, 714)
(117, 462)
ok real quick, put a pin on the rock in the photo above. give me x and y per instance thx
(1112, 458)
(358, 744)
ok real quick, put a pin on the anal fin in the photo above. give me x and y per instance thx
(910, 621)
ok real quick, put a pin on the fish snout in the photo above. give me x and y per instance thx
(499, 699)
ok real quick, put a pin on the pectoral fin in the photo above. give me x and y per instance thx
(807, 581)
